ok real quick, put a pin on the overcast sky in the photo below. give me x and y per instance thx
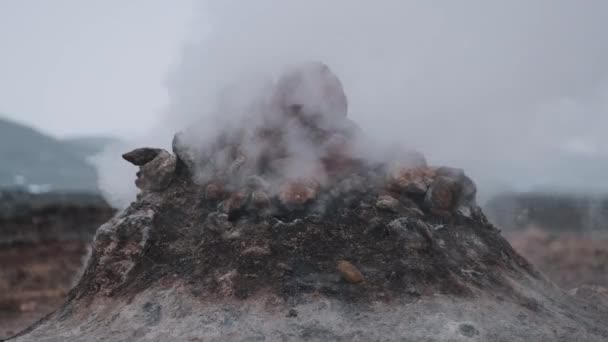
(513, 91)
(77, 67)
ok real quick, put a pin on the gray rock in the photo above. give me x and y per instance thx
(414, 233)
(141, 156)
(403, 206)
(468, 330)
(217, 222)
(386, 202)
(157, 174)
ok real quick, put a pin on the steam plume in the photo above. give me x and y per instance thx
(514, 92)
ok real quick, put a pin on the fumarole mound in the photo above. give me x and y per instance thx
(282, 229)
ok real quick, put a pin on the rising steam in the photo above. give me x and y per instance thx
(514, 92)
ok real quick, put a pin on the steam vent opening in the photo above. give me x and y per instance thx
(290, 225)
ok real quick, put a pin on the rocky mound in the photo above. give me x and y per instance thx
(280, 229)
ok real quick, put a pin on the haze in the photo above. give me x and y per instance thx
(514, 92)
(71, 67)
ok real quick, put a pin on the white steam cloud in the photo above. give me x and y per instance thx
(515, 92)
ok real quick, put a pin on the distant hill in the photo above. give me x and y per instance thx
(39, 162)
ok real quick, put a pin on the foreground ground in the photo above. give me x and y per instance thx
(35, 279)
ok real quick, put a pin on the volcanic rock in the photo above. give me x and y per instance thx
(415, 181)
(158, 173)
(442, 195)
(141, 156)
(349, 272)
(387, 203)
(217, 222)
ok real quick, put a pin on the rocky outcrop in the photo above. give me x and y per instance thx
(272, 244)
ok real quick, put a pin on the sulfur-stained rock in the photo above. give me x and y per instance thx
(157, 174)
(141, 156)
(349, 272)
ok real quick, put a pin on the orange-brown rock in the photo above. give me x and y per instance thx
(349, 272)
(298, 192)
(442, 195)
(411, 180)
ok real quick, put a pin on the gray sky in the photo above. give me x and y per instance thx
(75, 67)
(515, 92)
